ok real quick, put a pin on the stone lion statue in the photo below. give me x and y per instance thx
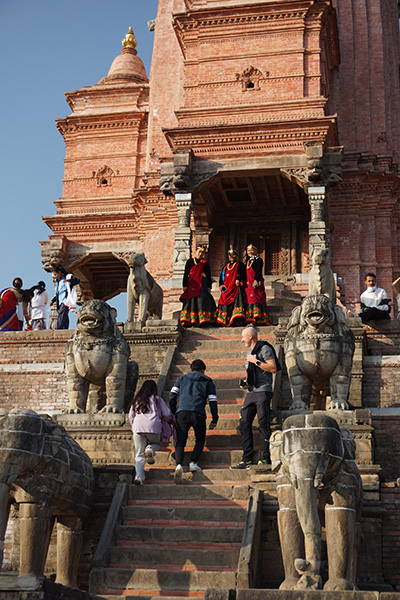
(142, 290)
(100, 376)
(319, 348)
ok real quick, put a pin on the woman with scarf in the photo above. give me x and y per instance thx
(231, 306)
(9, 300)
(256, 300)
(198, 306)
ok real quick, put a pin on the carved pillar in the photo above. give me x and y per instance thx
(202, 235)
(317, 227)
(183, 235)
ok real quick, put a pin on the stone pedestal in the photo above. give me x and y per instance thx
(32, 588)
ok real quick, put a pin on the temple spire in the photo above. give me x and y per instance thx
(129, 40)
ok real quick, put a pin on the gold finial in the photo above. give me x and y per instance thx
(129, 40)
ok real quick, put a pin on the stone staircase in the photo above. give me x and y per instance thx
(176, 541)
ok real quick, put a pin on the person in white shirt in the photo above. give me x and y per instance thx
(38, 305)
(374, 301)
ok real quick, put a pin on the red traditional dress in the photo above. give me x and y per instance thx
(256, 300)
(231, 305)
(9, 299)
(198, 306)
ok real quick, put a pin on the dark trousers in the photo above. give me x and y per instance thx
(63, 317)
(374, 314)
(255, 403)
(185, 419)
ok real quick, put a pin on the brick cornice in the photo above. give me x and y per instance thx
(253, 138)
(87, 123)
(194, 25)
(304, 109)
(98, 92)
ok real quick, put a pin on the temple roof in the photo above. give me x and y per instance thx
(127, 66)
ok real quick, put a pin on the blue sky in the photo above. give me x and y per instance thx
(48, 47)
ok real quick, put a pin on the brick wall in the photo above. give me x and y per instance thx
(32, 366)
(381, 381)
(390, 495)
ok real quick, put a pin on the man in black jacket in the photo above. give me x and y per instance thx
(193, 389)
(260, 365)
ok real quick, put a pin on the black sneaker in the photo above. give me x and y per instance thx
(244, 464)
(264, 461)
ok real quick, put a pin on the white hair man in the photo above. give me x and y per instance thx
(260, 365)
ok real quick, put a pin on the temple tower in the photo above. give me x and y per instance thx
(272, 122)
(105, 139)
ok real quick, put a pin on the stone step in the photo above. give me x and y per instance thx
(191, 513)
(210, 458)
(225, 383)
(156, 555)
(180, 534)
(203, 491)
(225, 409)
(115, 580)
(217, 374)
(217, 474)
(230, 440)
(150, 595)
(223, 332)
(214, 368)
(212, 357)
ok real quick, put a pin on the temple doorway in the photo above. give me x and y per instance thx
(262, 208)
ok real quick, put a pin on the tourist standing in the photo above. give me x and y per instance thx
(260, 365)
(193, 390)
(65, 296)
(256, 310)
(230, 305)
(198, 306)
(38, 305)
(145, 416)
(10, 298)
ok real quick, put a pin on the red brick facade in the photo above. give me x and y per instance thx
(257, 97)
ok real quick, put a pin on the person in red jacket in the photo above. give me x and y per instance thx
(198, 306)
(256, 300)
(231, 307)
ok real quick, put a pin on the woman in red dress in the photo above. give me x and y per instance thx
(198, 306)
(256, 300)
(9, 300)
(231, 306)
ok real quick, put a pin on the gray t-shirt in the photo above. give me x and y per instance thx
(263, 378)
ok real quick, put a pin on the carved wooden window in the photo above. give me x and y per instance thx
(273, 255)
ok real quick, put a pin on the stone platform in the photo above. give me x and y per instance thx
(13, 587)
(265, 594)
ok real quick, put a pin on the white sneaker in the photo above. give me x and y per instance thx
(178, 475)
(149, 455)
(193, 467)
(138, 480)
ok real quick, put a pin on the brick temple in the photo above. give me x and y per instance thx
(271, 122)
(268, 122)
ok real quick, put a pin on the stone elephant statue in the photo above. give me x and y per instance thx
(143, 290)
(317, 483)
(100, 376)
(50, 477)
